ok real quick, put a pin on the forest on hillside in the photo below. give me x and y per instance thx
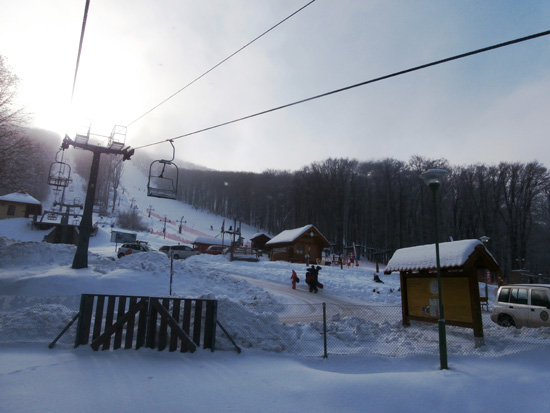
(383, 205)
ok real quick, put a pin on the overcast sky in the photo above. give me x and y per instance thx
(486, 108)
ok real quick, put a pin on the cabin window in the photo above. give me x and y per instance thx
(299, 248)
(11, 209)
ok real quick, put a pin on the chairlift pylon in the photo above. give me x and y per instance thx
(60, 173)
(163, 177)
(118, 137)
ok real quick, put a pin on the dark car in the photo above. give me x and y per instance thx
(215, 249)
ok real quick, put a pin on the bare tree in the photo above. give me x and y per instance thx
(22, 166)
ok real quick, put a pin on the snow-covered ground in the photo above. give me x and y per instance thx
(264, 377)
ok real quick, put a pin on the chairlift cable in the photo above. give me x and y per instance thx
(395, 74)
(220, 63)
(80, 45)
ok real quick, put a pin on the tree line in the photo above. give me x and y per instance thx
(383, 205)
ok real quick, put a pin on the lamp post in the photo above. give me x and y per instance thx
(485, 239)
(433, 178)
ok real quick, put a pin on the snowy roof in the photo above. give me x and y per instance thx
(21, 197)
(211, 241)
(451, 254)
(259, 234)
(290, 235)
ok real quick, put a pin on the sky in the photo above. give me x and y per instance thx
(37, 285)
(483, 109)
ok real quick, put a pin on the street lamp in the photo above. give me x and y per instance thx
(485, 239)
(433, 178)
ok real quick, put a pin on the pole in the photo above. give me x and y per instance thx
(441, 323)
(81, 256)
(171, 271)
(325, 330)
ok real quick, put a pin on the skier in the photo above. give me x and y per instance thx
(295, 279)
(317, 283)
(311, 279)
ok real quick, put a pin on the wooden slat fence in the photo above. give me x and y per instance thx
(113, 321)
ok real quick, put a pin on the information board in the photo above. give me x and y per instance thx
(121, 237)
(423, 299)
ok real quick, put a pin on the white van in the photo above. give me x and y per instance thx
(522, 305)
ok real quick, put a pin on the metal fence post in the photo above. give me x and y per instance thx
(325, 329)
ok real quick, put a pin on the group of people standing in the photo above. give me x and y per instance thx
(312, 278)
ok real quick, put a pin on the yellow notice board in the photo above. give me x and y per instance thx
(423, 299)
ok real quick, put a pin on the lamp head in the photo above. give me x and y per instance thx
(433, 176)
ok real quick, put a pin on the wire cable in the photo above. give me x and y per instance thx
(220, 63)
(378, 79)
(86, 7)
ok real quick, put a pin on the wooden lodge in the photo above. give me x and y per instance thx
(305, 244)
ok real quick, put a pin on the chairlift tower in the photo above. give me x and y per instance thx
(85, 229)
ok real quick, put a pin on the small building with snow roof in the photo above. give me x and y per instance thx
(461, 263)
(303, 244)
(257, 241)
(202, 243)
(19, 205)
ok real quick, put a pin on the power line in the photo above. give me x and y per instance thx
(402, 72)
(220, 63)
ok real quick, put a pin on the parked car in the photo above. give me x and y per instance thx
(133, 247)
(522, 305)
(215, 249)
(178, 251)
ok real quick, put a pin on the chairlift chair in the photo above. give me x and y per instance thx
(163, 178)
(60, 173)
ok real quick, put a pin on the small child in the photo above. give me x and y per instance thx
(295, 279)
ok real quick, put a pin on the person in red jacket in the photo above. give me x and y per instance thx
(295, 279)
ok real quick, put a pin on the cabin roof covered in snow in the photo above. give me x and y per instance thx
(211, 241)
(289, 235)
(21, 197)
(422, 257)
(259, 234)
